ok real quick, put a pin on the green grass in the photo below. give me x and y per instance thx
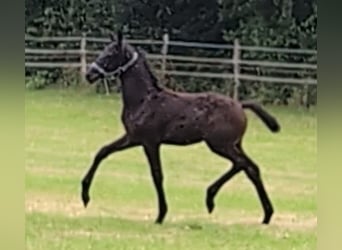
(64, 129)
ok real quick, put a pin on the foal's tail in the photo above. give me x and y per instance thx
(267, 118)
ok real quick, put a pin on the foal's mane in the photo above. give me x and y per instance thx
(154, 79)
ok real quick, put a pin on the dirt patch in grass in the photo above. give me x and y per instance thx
(165, 235)
(70, 207)
(243, 184)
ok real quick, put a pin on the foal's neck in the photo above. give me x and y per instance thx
(137, 83)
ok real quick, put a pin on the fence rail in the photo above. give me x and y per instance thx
(173, 43)
(182, 58)
(235, 62)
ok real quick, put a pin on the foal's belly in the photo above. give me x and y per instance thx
(181, 141)
(179, 135)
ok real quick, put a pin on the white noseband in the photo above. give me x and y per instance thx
(119, 70)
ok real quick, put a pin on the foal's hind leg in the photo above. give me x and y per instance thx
(215, 187)
(240, 162)
(123, 143)
(212, 190)
(253, 173)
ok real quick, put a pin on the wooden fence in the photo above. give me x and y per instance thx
(165, 59)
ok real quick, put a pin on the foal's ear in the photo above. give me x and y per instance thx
(120, 38)
(112, 37)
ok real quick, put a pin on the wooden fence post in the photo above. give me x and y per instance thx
(164, 54)
(306, 95)
(83, 51)
(236, 61)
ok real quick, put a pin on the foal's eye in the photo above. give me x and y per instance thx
(113, 49)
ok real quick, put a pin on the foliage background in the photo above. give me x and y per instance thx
(277, 23)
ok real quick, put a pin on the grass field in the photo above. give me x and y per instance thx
(64, 129)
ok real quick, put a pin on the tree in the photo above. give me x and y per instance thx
(197, 20)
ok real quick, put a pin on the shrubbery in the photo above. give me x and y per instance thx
(291, 24)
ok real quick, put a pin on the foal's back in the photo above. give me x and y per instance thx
(192, 117)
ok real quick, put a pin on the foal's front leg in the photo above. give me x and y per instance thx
(153, 156)
(120, 144)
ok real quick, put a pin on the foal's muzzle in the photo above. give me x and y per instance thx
(93, 75)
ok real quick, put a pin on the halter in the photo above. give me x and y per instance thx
(119, 70)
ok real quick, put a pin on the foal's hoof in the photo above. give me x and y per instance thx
(85, 193)
(268, 216)
(159, 220)
(210, 206)
(266, 220)
(85, 199)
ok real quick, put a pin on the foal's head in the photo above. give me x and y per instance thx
(115, 59)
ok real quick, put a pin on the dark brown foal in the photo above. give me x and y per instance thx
(153, 116)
